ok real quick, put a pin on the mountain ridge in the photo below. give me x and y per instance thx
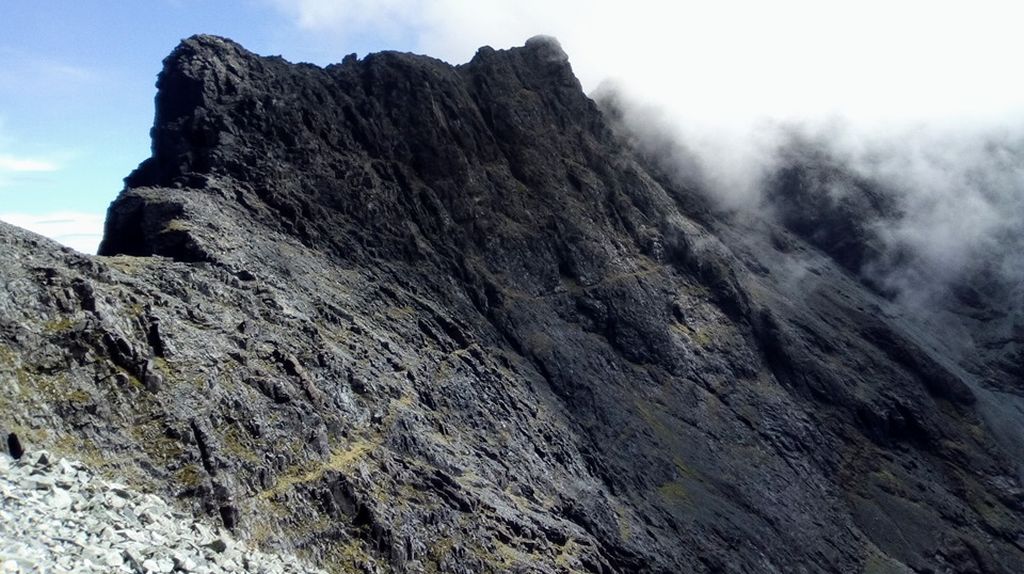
(405, 316)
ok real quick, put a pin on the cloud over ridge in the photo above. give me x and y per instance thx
(918, 97)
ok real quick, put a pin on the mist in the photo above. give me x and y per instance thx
(954, 193)
(961, 195)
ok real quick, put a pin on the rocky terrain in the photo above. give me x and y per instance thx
(394, 315)
(59, 517)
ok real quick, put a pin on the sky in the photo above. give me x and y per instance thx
(77, 78)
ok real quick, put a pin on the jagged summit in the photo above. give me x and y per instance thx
(214, 97)
(398, 315)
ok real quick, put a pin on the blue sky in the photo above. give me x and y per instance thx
(77, 77)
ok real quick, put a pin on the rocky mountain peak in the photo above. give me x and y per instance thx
(223, 112)
(398, 315)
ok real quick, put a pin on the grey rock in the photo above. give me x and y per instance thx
(59, 500)
(134, 557)
(184, 562)
(40, 459)
(43, 532)
(113, 559)
(217, 545)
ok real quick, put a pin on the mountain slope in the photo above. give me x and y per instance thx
(400, 315)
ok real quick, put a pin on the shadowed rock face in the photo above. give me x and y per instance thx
(400, 315)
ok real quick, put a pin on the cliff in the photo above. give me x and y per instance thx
(398, 315)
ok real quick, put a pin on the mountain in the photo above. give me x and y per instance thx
(398, 315)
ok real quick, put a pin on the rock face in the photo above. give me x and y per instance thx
(395, 315)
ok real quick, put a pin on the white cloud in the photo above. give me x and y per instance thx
(79, 231)
(319, 15)
(730, 62)
(15, 164)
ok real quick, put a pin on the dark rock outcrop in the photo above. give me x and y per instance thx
(404, 316)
